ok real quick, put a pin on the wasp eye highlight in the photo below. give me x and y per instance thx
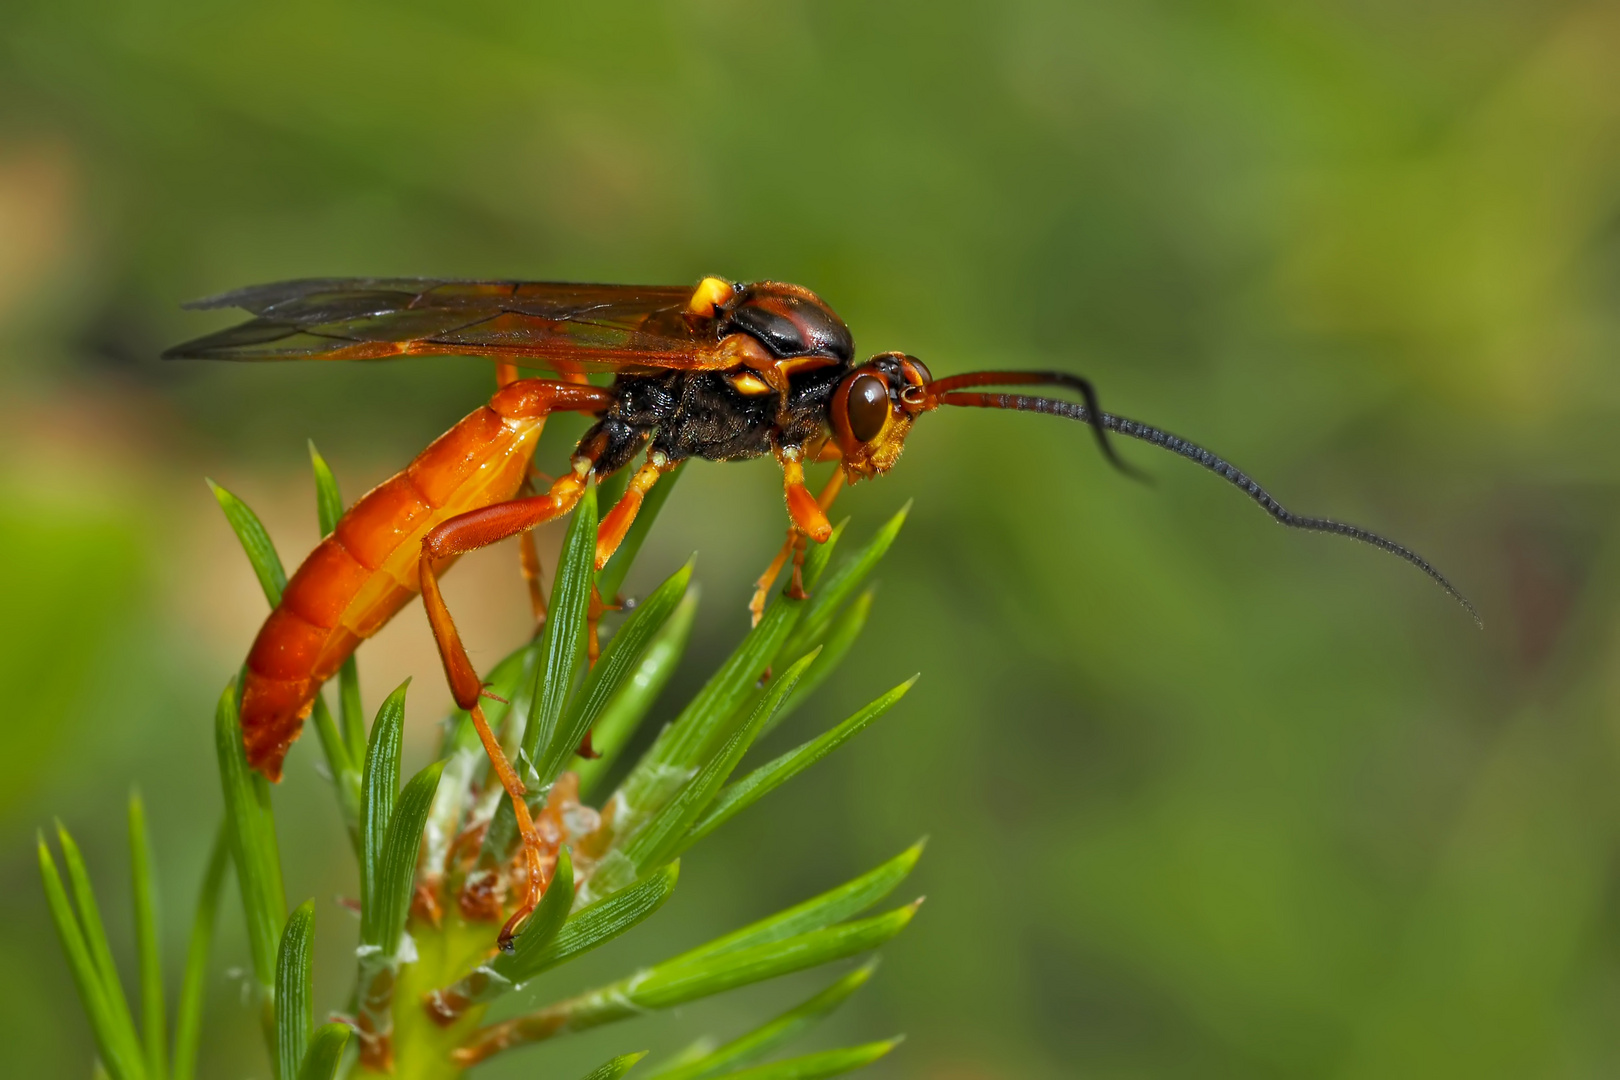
(868, 407)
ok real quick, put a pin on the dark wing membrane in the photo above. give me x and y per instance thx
(563, 326)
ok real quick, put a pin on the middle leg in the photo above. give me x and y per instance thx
(506, 373)
(611, 533)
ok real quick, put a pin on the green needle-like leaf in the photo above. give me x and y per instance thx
(562, 645)
(148, 947)
(495, 977)
(261, 552)
(295, 1005)
(329, 510)
(350, 711)
(635, 698)
(611, 577)
(611, 671)
(708, 720)
(188, 1014)
(664, 835)
(816, 558)
(543, 926)
(328, 498)
(325, 1053)
(611, 488)
(115, 1040)
(616, 1068)
(397, 866)
(816, 1066)
(833, 906)
(599, 923)
(379, 786)
(95, 933)
(704, 723)
(767, 1037)
(840, 584)
(738, 796)
(846, 628)
(253, 841)
(382, 924)
(679, 981)
(696, 1050)
(345, 773)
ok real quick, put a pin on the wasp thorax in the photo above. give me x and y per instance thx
(789, 320)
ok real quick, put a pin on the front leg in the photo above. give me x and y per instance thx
(807, 515)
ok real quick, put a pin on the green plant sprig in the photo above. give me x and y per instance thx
(426, 970)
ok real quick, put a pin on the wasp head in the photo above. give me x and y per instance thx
(873, 408)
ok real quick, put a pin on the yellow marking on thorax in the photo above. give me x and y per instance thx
(710, 294)
(748, 383)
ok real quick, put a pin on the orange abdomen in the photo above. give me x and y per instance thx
(358, 577)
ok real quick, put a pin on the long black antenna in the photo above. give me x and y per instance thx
(1215, 464)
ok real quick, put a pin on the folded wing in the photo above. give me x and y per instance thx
(566, 327)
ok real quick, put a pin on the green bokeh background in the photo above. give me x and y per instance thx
(1206, 797)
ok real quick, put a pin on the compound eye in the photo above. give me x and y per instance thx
(868, 407)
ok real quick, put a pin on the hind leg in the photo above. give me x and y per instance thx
(469, 532)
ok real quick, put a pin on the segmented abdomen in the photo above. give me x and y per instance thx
(360, 576)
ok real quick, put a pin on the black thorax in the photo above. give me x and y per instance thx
(700, 414)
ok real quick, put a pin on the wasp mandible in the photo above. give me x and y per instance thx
(724, 372)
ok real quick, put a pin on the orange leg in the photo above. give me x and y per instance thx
(469, 532)
(529, 564)
(610, 534)
(506, 373)
(809, 520)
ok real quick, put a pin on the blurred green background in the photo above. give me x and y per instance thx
(1206, 797)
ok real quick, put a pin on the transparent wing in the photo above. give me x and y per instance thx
(567, 327)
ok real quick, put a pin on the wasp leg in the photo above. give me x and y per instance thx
(529, 564)
(762, 587)
(469, 532)
(506, 373)
(808, 515)
(611, 533)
